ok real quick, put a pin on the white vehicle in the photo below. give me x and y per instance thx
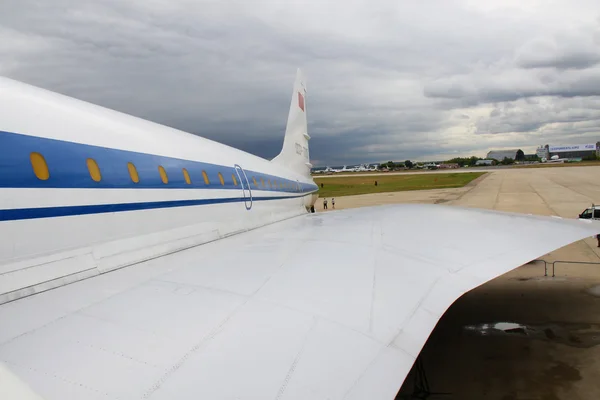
(592, 212)
(138, 261)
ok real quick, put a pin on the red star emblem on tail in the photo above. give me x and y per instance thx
(301, 101)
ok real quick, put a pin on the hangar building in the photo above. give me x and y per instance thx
(575, 150)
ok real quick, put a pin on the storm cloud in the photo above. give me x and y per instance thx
(386, 80)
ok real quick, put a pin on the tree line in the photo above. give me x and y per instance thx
(463, 161)
(397, 165)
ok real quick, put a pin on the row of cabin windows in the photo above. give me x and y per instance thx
(41, 171)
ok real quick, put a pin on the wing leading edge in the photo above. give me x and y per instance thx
(324, 306)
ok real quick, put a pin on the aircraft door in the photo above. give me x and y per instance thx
(246, 190)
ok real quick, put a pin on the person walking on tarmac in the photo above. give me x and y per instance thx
(332, 202)
(324, 204)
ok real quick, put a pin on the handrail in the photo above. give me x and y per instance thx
(553, 263)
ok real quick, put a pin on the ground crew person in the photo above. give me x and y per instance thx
(333, 206)
(324, 204)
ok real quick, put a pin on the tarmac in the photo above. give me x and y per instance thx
(523, 335)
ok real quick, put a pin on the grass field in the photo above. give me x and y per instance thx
(351, 185)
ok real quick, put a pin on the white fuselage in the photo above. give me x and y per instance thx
(70, 224)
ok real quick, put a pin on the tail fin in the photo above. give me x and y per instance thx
(294, 154)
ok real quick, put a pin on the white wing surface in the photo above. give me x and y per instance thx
(323, 306)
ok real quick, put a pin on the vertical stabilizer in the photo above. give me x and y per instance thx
(294, 155)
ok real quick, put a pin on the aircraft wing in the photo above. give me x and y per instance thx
(325, 306)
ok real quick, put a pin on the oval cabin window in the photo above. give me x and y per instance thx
(40, 168)
(163, 174)
(254, 180)
(233, 179)
(221, 179)
(205, 176)
(133, 174)
(94, 170)
(186, 176)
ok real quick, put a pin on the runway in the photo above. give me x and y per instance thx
(553, 353)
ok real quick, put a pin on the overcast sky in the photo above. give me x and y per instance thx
(386, 80)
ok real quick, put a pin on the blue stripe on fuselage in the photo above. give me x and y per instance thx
(65, 211)
(68, 169)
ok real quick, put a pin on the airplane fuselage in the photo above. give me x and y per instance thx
(91, 189)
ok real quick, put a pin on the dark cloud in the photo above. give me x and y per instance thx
(562, 52)
(521, 116)
(372, 143)
(579, 60)
(386, 80)
(560, 65)
(505, 85)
